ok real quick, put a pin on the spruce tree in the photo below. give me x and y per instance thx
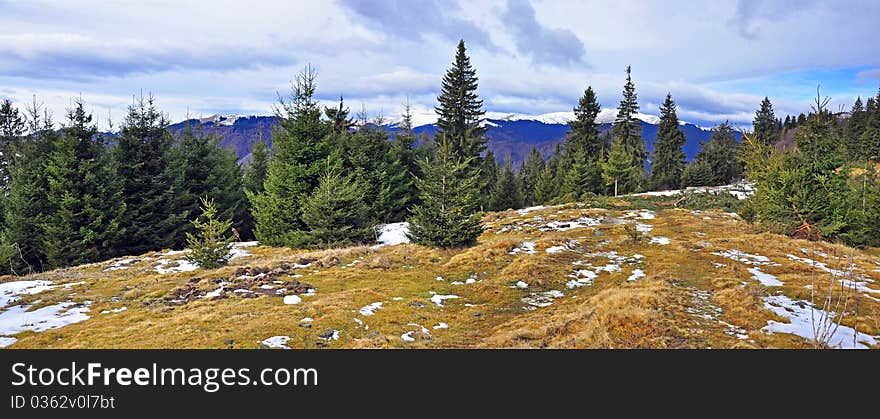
(548, 187)
(210, 246)
(765, 125)
(506, 192)
(871, 136)
(367, 159)
(852, 132)
(628, 129)
(84, 195)
(529, 173)
(398, 193)
(340, 123)
(448, 214)
(335, 213)
(584, 149)
(460, 109)
(669, 157)
(698, 173)
(295, 168)
(721, 153)
(148, 163)
(488, 177)
(12, 126)
(254, 174)
(618, 170)
(212, 170)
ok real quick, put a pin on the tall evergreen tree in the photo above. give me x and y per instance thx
(448, 214)
(340, 123)
(529, 173)
(618, 170)
(765, 124)
(460, 109)
(255, 171)
(506, 191)
(721, 153)
(584, 148)
(871, 135)
(628, 129)
(295, 168)
(398, 193)
(84, 195)
(698, 173)
(152, 181)
(335, 213)
(669, 157)
(855, 127)
(548, 187)
(12, 127)
(211, 170)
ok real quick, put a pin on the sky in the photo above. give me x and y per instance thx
(717, 58)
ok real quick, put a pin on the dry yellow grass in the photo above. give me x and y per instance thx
(688, 298)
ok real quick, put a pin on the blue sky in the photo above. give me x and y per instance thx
(717, 58)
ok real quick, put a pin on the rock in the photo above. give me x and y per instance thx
(373, 334)
(321, 344)
(242, 271)
(327, 334)
(194, 280)
(416, 304)
(329, 261)
(305, 261)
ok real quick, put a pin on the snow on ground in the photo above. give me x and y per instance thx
(408, 337)
(10, 291)
(236, 249)
(555, 249)
(804, 319)
(748, 259)
(292, 299)
(181, 266)
(741, 190)
(391, 234)
(644, 228)
(570, 225)
(858, 285)
(765, 279)
(277, 342)
(115, 310)
(370, 309)
(524, 247)
(541, 299)
(441, 326)
(637, 273)
(581, 277)
(438, 299)
(122, 264)
(521, 284)
(525, 211)
(663, 241)
(19, 319)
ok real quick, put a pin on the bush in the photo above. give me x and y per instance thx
(210, 248)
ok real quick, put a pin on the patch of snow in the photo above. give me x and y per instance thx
(555, 249)
(644, 228)
(521, 284)
(361, 323)
(441, 326)
(115, 310)
(408, 337)
(765, 279)
(663, 241)
(541, 299)
(570, 225)
(292, 299)
(525, 211)
(746, 258)
(438, 299)
(524, 247)
(307, 320)
(182, 266)
(122, 264)
(276, 342)
(581, 277)
(10, 291)
(18, 319)
(391, 234)
(802, 315)
(637, 273)
(370, 309)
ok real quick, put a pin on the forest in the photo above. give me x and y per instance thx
(74, 195)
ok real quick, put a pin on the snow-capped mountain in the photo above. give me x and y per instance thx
(511, 136)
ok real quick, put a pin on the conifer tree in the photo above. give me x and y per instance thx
(212, 170)
(721, 153)
(398, 193)
(628, 129)
(698, 173)
(153, 189)
(295, 168)
(84, 195)
(548, 187)
(340, 123)
(210, 247)
(448, 214)
(488, 177)
(12, 126)
(460, 109)
(506, 191)
(584, 149)
(855, 127)
(871, 135)
(765, 124)
(335, 213)
(529, 173)
(618, 170)
(669, 157)
(255, 171)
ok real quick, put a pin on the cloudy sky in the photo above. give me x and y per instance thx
(718, 58)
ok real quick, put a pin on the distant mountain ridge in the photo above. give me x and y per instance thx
(510, 135)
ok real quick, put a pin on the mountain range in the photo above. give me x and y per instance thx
(511, 136)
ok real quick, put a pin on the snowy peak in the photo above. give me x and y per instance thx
(227, 120)
(606, 116)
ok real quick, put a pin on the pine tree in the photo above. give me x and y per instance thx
(584, 149)
(367, 157)
(765, 124)
(618, 170)
(210, 248)
(148, 163)
(721, 153)
(255, 172)
(698, 173)
(399, 193)
(12, 126)
(460, 109)
(629, 129)
(340, 123)
(84, 195)
(506, 192)
(212, 170)
(529, 173)
(447, 216)
(855, 127)
(295, 168)
(669, 157)
(335, 213)
(26, 204)
(871, 136)
(548, 187)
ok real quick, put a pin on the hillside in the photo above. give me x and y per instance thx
(511, 136)
(567, 276)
